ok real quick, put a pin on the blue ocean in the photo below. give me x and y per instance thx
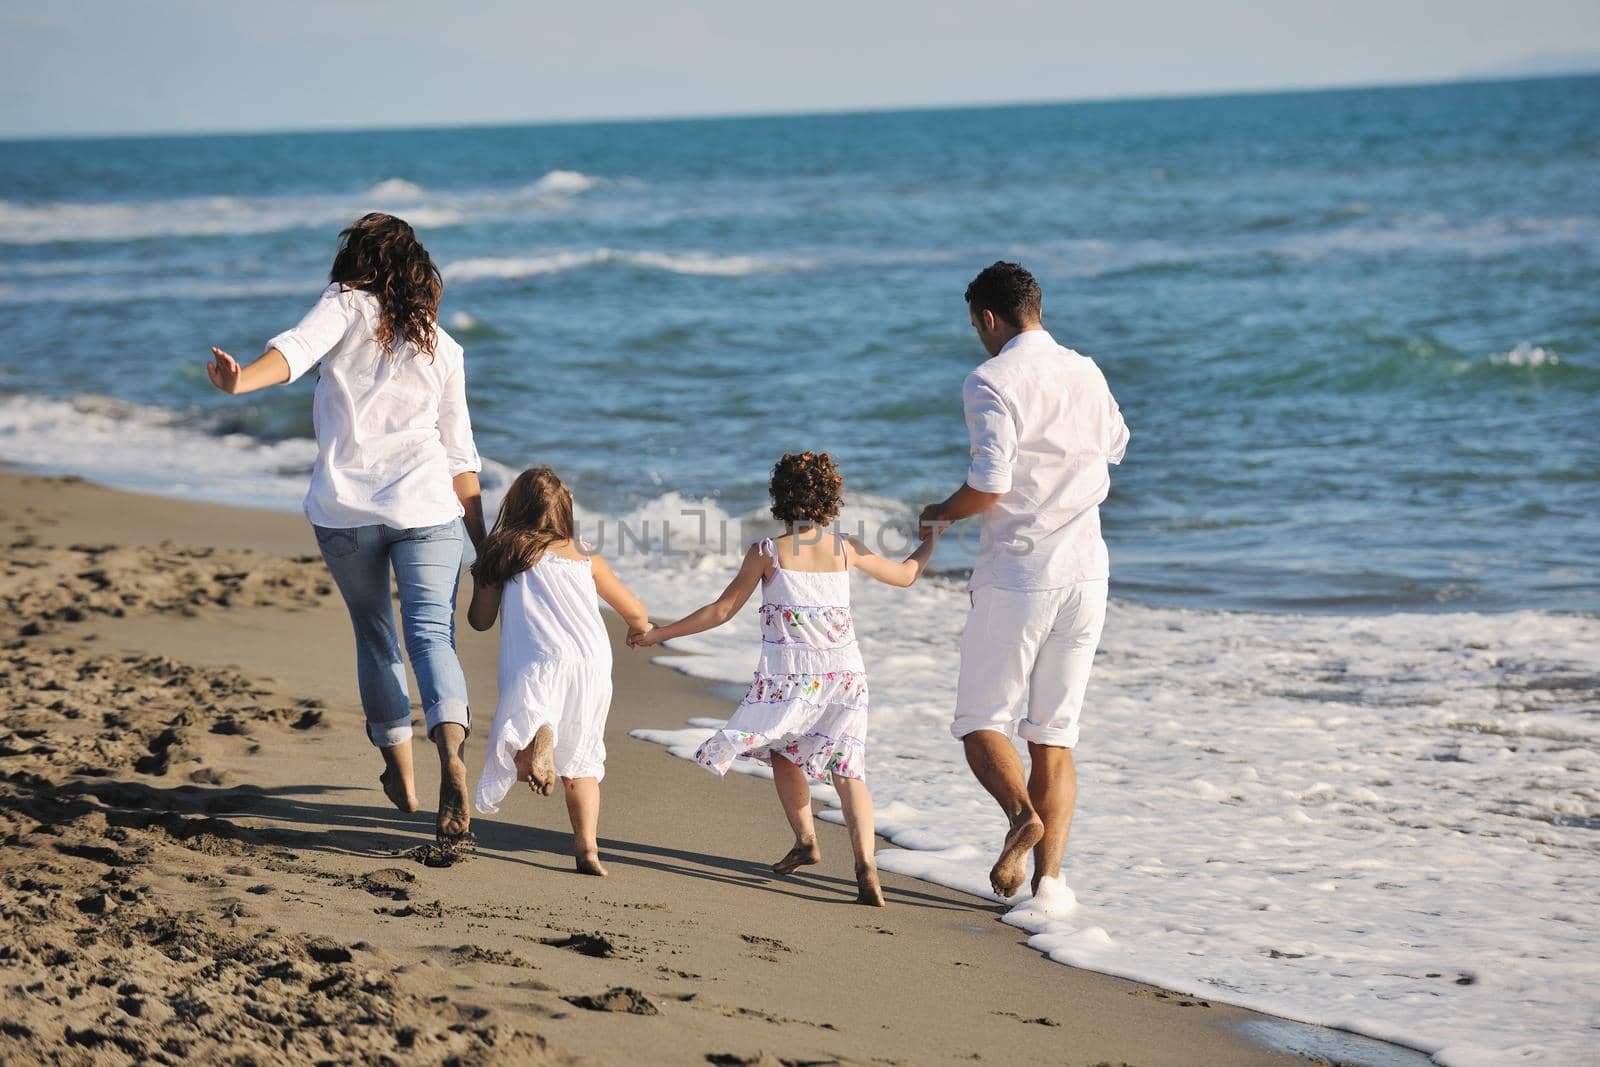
(1355, 335)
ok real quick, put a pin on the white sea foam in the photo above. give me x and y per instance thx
(193, 217)
(396, 189)
(153, 450)
(1527, 355)
(557, 262)
(44, 222)
(1387, 824)
(564, 183)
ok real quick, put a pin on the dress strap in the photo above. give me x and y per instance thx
(767, 548)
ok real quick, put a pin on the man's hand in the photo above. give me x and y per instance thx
(645, 638)
(931, 521)
(224, 371)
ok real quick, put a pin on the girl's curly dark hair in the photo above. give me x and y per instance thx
(806, 488)
(381, 254)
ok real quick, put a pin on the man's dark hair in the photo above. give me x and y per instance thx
(1007, 290)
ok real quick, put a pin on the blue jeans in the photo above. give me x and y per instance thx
(427, 566)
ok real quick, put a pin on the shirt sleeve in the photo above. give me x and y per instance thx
(1117, 445)
(323, 327)
(993, 431)
(455, 425)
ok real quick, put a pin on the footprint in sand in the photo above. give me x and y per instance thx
(621, 999)
(594, 945)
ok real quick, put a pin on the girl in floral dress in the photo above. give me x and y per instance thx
(808, 703)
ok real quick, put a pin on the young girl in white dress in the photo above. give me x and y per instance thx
(808, 703)
(555, 659)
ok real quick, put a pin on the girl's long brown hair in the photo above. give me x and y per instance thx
(536, 513)
(381, 254)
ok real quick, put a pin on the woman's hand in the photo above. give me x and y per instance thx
(224, 371)
(227, 375)
(648, 637)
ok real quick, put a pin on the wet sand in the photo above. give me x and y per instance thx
(200, 863)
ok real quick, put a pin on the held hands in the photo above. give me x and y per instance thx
(224, 371)
(649, 637)
(932, 523)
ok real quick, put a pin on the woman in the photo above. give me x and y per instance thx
(396, 474)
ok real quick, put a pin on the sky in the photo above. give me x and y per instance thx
(141, 66)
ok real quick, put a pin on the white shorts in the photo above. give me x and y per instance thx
(1025, 659)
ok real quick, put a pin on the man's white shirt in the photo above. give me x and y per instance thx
(1044, 428)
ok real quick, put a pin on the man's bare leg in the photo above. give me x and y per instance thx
(453, 820)
(583, 808)
(1053, 788)
(795, 796)
(998, 767)
(399, 778)
(857, 804)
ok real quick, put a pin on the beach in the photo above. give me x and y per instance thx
(199, 862)
(1339, 759)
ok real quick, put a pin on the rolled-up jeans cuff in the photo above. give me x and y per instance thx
(389, 734)
(448, 711)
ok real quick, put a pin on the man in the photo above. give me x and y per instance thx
(1044, 427)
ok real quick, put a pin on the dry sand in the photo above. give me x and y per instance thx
(199, 864)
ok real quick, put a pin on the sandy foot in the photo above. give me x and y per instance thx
(589, 863)
(1011, 868)
(453, 818)
(397, 792)
(868, 891)
(536, 763)
(804, 854)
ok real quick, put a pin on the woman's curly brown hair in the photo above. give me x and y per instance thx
(381, 254)
(806, 488)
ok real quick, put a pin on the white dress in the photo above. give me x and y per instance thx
(555, 670)
(808, 702)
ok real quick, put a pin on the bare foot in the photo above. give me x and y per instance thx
(399, 794)
(1012, 866)
(804, 854)
(453, 820)
(536, 763)
(589, 863)
(867, 889)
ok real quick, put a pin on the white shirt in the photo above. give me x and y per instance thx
(392, 429)
(1044, 427)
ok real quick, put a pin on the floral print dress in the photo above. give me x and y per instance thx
(808, 702)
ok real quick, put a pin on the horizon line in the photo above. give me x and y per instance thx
(732, 116)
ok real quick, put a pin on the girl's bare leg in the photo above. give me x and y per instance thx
(583, 808)
(399, 779)
(857, 804)
(795, 796)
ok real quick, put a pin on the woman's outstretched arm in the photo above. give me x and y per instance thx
(226, 374)
(718, 611)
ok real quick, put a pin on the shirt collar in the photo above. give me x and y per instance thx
(1028, 338)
